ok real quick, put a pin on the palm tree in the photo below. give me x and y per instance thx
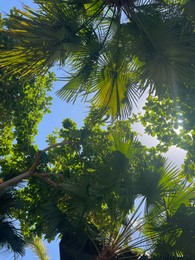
(116, 49)
(169, 206)
(38, 247)
(10, 237)
(176, 234)
(120, 208)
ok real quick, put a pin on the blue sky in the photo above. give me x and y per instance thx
(77, 113)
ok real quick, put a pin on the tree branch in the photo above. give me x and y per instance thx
(45, 178)
(32, 169)
(55, 145)
(48, 174)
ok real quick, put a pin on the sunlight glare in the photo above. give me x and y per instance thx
(179, 126)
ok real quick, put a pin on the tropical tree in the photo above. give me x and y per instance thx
(173, 124)
(176, 234)
(115, 49)
(23, 103)
(109, 197)
(104, 199)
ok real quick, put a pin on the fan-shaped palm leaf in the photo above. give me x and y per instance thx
(174, 233)
(114, 47)
(128, 147)
(157, 180)
(104, 69)
(10, 237)
(76, 231)
(38, 248)
(124, 239)
(41, 38)
(164, 68)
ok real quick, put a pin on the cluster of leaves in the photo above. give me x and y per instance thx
(116, 49)
(10, 237)
(172, 122)
(95, 181)
(91, 171)
(23, 103)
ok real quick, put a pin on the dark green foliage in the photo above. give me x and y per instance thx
(115, 50)
(94, 183)
(10, 237)
(99, 185)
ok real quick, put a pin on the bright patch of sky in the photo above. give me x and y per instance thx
(174, 154)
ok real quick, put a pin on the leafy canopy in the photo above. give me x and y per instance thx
(114, 50)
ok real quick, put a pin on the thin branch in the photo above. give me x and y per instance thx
(48, 180)
(32, 169)
(24, 175)
(55, 145)
(45, 177)
(47, 174)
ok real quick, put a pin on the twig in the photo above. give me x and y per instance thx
(48, 180)
(55, 145)
(45, 177)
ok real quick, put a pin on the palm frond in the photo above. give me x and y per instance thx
(157, 180)
(174, 233)
(181, 196)
(111, 89)
(85, 64)
(38, 248)
(159, 47)
(106, 73)
(10, 237)
(128, 147)
(40, 38)
(8, 202)
(128, 240)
